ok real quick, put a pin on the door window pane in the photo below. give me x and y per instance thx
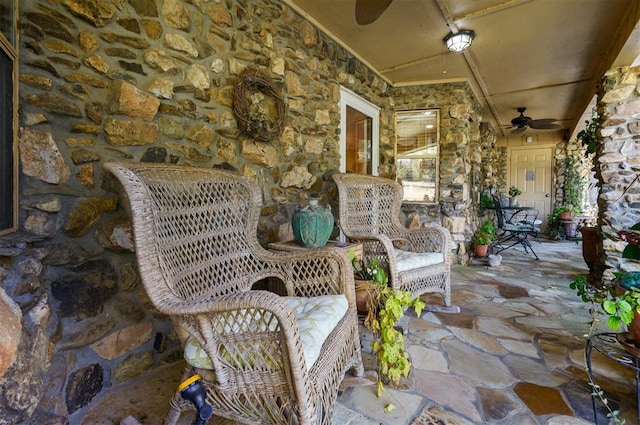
(417, 141)
(359, 142)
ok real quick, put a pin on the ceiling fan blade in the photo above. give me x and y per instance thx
(545, 124)
(367, 11)
(518, 130)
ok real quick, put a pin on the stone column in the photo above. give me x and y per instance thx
(617, 159)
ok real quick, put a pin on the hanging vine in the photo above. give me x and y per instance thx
(258, 105)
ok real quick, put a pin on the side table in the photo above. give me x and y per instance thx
(291, 246)
(607, 344)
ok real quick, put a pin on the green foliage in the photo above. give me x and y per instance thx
(372, 271)
(612, 299)
(390, 305)
(389, 347)
(486, 233)
(485, 200)
(514, 191)
(619, 307)
(574, 183)
(554, 217)
(618, 303)
(587, 137)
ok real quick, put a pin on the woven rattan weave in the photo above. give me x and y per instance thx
(369, 213)
(195, 233)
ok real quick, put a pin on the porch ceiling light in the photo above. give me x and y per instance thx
(459, 41)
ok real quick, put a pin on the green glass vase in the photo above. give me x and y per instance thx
(312, 224)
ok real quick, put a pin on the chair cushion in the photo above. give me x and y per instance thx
(316, 317)
(407, 260)
(519, 227)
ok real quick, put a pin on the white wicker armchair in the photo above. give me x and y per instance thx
(198, 256)
(418, 259)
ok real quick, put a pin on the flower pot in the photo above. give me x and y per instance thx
(513, 202)
(365, 295)
(570, 228)
(312, 224)
(590, 237)
(634, 328)
(567, 216)
(481, 250)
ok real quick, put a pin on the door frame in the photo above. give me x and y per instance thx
(510, 178)
(349, 98)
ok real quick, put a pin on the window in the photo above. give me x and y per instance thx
(417, 141)
(8, 118)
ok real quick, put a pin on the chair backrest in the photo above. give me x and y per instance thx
(194, 229)
(497, 205)
(368, 204)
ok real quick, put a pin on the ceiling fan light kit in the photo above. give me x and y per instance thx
(459, 41)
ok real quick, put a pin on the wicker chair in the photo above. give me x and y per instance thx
(417, 258)
(195, 233)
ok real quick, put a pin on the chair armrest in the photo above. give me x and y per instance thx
(434, 238)
(254, 332)
(312, 273)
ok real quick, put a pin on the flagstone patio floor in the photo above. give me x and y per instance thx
(513, 354)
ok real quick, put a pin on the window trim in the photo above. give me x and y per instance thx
(349, 98)
(10, 48)
(435, 156)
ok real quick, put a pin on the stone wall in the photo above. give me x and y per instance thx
(461, 158)
(618, 160)
(152, 81)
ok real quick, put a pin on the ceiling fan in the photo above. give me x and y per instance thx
(367, 11)
(522, 122)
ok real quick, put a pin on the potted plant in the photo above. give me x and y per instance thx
(618, 299)
(483, 237)
(386, 308)
(514, 192)
(368, 276)
(561, 221)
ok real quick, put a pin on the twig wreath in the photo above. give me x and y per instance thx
(254, 116)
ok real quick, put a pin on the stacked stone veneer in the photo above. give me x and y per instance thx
(462, 152)
(618, 160)
(152, 81)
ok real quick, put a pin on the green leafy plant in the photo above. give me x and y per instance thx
(617, 300)
(554, 217)
(485, 201)
(486, 233)
(617, 305)
(574, 183)
(372, 271)
(514, 191)
(587, 136)
(389, 306)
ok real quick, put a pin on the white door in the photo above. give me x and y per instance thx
(359, 134)
(531, 171)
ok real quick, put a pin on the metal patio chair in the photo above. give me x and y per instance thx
(515, 226)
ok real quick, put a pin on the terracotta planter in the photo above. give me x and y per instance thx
(481, 250)
(570, 228)
(365, 295)
(634, 328)
(567, 216)
(590, 237)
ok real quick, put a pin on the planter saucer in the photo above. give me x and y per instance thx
(626, 340)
